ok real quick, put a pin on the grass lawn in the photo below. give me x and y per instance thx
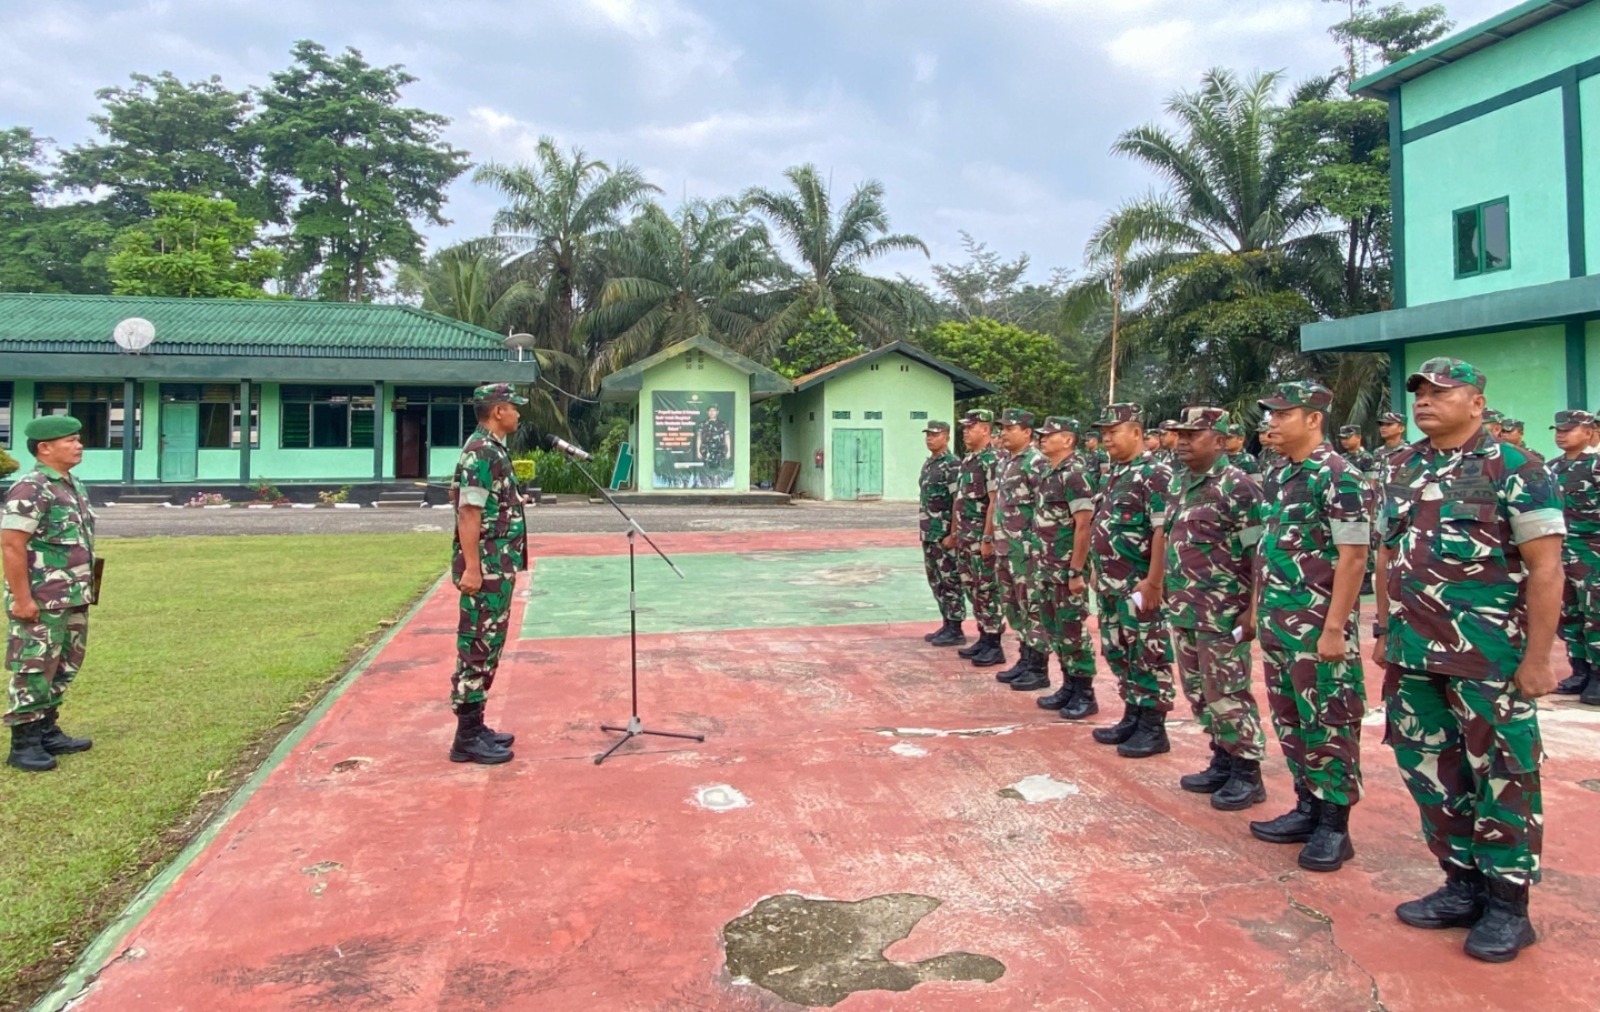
(204, 650)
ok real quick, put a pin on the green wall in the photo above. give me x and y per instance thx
(1589, 117)
(693, 371)
(1526, 370)
(803, 429)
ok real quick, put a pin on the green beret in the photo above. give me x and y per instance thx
(48, 427)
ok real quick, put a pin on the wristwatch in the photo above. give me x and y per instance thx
(1379, 630)
(988, 539)
(1073, 572)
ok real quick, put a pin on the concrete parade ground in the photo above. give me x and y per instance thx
(870, 824)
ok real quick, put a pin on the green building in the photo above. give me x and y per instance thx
(855, 427)
(1495, 134)
(327, 392)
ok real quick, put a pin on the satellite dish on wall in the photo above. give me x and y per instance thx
(134, 334)
(521, 343)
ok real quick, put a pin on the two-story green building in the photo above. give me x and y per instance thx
(1495, 140)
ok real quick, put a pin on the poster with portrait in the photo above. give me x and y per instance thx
(692, 438)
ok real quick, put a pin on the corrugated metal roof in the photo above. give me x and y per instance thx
(967, 385)
(278, 327)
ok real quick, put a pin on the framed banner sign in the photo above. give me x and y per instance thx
(692, 439)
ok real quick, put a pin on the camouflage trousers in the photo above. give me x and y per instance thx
(1317, 710)
(1019, 595)
(1469, 751)
(981, 584)
(1580, 620)
(1215, 674)
(1138, 650)
(1065, 617)
(481, 626)
(42, 659)
(944, 578)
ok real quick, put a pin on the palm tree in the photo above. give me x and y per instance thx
(833, 248)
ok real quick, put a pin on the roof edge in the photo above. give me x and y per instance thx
(1383, 82)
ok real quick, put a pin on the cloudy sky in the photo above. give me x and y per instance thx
(990, 116)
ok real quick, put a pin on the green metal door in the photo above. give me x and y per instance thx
(857, 463)
(180, 441)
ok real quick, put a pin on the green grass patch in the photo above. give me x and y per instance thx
(202, 654)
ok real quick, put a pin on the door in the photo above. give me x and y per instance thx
(180, 441)
(411, 443)
(857, 463)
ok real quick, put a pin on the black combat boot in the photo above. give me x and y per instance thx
(1062, 697)
(1083, 703)
(992, 655)
(1210, 779)
(58, 742)
(952, 635)
(1591, 692)
(1149, 736)
(505, 739)
(1122, 730)
(1016, 670)
(1573, 684)
(1036, 675)
(1458, 903)
(970, 652)
(471, 745)
(1504, 929)
(928, 637)
(1329, 847)
(1295, 825)
(26, 751)
(1243, 789)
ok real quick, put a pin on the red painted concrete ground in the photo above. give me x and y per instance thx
(368, 872)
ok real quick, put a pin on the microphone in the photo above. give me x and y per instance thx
(557, 443)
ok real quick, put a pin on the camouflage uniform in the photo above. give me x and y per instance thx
(1016, 546)
(1064, 492)
(938, 496)
(43, 657)
(974, 485)
(1578, 478)
(1244, 462)
(714, 443)
(1131, 507)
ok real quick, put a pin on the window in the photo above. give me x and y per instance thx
(97, 405)
(872, 415)
(322, 418)
(919, 416)
(1483, 238)
(219, 411)
(5, 414)
(841, 415)
(450, 416)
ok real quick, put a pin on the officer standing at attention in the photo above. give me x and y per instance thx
(1494, 422)
(1237, 455)
(1392, 429)
(1350, 449)
(1309, 567)
(1066, 509)
(491, 548)
(1514, 432)
(1129, 546)
(1269, 458)
(1472, 558)
(1577, 474)
(1168, 454)
(935, 520)
(1094, 459)
(974, 556)
(1016, 547)
(1152, 442)
(1213, 524)
(47, 548)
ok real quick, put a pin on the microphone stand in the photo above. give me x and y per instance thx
(635, 726)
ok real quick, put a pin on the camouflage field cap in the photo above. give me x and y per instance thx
(1265, 425)
(1391, 418)
(1237, 431)
(1168, 425)
(1017, 416)
(1493, 417)
(1572, 419)
(1116, 414)
(1200, 419)
(978, 416)
(1308, 394)
(48, 427)
(498, 393)
(1447, 373)
(1511, 425)
(1059, 423)
(932, 427)
(1346, 431)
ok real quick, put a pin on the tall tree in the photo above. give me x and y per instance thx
(45, 245)
(194, 247)
(366, 168)
(989, 286)
(1027, 366)
(1393, 31)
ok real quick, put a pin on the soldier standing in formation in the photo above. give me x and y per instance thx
(1350, 449)
(974, 555)
(47, 547)
(1269, 459)
(935, 515)
(1066, 509)
(1129, 550)
(491, 548)
(1095, 460)
(1011, 537)
(1493, 421)
(1577, 474)
(1309, 569)
(1168, 454)
(1472, 593)
(1213, 523)
(1237, 455)
(1514, 432)
(1152, 442)
(1392, 429)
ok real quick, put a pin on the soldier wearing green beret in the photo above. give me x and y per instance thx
(47, 546)
(936, 504)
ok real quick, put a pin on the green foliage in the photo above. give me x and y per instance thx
(46, 247)
(327, 498)
(1027, 366)
(8, 464)
(266, 491)
(559, 474)
(1394, 30)
(822, 339)
(194, 247)
(524, 470)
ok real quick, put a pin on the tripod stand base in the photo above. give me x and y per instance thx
(634, 729)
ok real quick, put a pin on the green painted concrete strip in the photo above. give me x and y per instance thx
(588, 596)
(111, 938)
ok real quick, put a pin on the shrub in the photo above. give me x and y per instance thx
(208, 499)
(8, 464)
(559, 474)
(525, 470)
(329, 498)
(267, 492)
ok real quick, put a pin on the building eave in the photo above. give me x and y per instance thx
(1515, 309)
(263, 368)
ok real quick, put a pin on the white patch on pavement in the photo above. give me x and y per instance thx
(907, 749)
(720, 798)
(1038, 787)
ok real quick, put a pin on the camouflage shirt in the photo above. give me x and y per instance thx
(1316, 506)
(974, 485)
(1579, 481)
(53, 510)
(1016, 497)
(1065, 491)
(1456, 605)
(938, 487)
(1364, 462)
(1244, 462)
(1213, 524)
(1097, 466)
(1132, 505)
(484, 478)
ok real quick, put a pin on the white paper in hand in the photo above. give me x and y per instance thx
(1138, 601)
(1238, 634)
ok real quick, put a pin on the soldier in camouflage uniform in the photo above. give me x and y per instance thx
(1128, 544)
(1309, 567)
(1066, 509)
(1493, 423)
(1513, 431)
(1168, 454)
(713, 442)
(1366, 464)
(1237, 455)
(47, 544)
(1017, 549)
(1472, 594)
(1213, 524)
(974, 555)
(935, 522)
(1392, 429)
(1269, 458)
(1095, 461)
(491, 548)
(1577, 474)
